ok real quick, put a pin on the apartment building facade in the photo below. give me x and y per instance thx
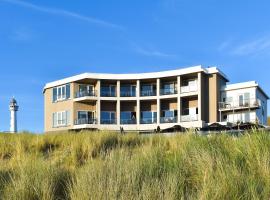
(190, 97)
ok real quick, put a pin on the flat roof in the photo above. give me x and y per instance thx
(237, 86)
(136, 76)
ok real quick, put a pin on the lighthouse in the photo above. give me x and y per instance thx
(13, 107)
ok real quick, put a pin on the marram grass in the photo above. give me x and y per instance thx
(104, 165)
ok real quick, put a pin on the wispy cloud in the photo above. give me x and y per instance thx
(254, 47)
(21, 35)
(151, 52)
(257, 46)
(64, 13)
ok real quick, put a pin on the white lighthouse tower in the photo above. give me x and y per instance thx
(13, 107)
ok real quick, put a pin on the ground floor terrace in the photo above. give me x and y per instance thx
(143, 114)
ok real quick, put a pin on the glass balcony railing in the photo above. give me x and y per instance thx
(82, 121)
(189, 118)
(145, 93)
(168, 119)
(85, 93)
(168, 91)
(108, 121)
(189, 88)
(108, 93)
(128, 121)
(127, 94)
(148, 120)
(245, 103)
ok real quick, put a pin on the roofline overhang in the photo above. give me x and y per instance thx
(136, 76)
(244, 85)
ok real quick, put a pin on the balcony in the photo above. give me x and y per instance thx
(245, 104)
(85, 121)
(189, 88)
(190, 85)
(145, 93)
(148, 121)
(189, 118)
(168, 119)
(85, 93)
(128, 121)
(168, 91)
(108, 121)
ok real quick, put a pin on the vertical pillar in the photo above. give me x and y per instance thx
(178, 99)
(138, 110)
(158, 101)
(118, 110)
(199, 96)
(98, 111)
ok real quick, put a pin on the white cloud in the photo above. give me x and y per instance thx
(255, 47)
(151, 52)
(21, 35)
(61, 12)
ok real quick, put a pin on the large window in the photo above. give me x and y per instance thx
(128, 117)
(148, 90)
(85, 90)
(61, 93)
(169, 88)
(85, 117)
(108, 117)
(148, 117)
(108, 91)
(61, 118)
(128, 90)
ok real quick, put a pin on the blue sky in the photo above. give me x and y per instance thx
(42, 41)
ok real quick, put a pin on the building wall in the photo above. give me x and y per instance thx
(50, 107)
(148, 106)
(262, 111)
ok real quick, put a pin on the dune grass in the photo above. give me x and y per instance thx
(103, 165)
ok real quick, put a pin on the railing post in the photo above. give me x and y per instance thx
(158, 101)
(138, 110)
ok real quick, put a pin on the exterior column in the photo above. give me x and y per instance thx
(199, 96)
(118, 110)
(179, 99)
(158, 101)
(138, 110)
(98, 111)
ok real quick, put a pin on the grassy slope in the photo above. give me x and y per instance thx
(112, 166)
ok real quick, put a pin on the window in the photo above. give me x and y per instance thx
(128, 91)
(61, 93)
(108, 91)
(61, 118)
(86, 89)
(108, 117)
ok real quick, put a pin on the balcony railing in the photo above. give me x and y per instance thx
(246, 103)
(107, 94)
(128, 121)
(108, 121)
(127, 94)
(189, 118)
(145, 93)
(189, 88)
(148, 120)
(85, 93)
(168, 119)
(168, 91)
(85, 121)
